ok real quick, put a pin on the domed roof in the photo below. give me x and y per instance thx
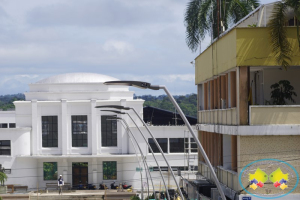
(77, 78)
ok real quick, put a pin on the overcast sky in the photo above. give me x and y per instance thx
(127, 39)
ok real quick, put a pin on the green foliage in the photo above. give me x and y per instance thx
(135, 197)
(109, 170)
(150, 197)
(281, 92)
(6, 101)
(201, 17)
(50, 170)
(187, 103)
(281, 47)
(3, 178)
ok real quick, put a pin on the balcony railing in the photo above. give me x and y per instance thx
(225, 176)
(276, 115)
(218, 116)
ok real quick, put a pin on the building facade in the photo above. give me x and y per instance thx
(237, 124)
(58, 131)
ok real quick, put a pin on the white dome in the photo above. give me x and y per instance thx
(77, 78)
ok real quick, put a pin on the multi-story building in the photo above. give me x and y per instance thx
(238, 126)
(58, 130)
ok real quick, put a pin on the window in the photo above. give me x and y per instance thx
(109, 170)
(5, 147)
(3, 125)
(109, 131)
(176, 145)
(163, 143)
(50, 170)
(49, 131)
(12, 125)
(79, 131)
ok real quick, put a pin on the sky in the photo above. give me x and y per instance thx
(130, 40)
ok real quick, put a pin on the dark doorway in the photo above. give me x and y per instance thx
(80, 173)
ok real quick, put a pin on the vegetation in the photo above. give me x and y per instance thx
(187, 103)
(281, 92)
(135, 197)
(278, 37)
(6, 101)
(201, 14)
(3, 178)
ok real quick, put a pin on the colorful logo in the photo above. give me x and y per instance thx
(269, 178)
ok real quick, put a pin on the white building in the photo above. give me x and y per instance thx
(58, 130)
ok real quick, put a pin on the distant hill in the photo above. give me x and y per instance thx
(188, 103)
(6, 101)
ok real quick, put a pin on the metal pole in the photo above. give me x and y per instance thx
(151, 151)
(144, 160)
(162, 153)
(142, 195)
(196, 140)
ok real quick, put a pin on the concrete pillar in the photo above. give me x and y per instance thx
(95, 172)
(211, 95)
(219, 92)
(123, 137)
(243, 94)
(215, 94)
(233, 89)
(223, 90)
(64, 129)
(234, 153)
(227, 91)
(94, 128)
(34, 133)
(205, 96)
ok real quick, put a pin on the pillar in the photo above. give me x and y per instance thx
(211, 88)
(35, 137)
(93, 131)
(234, 153)
(243, 94)
(233, 89)
(64, 128)
(205, 96)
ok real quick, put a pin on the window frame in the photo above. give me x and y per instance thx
(114, 175)
(109, 136)
(53, 170)
(5, 147)
(79, 130)
(51, 136)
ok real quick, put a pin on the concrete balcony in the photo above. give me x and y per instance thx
(218, 116)
(274, 115)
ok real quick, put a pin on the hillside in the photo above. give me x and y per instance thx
(188, 103)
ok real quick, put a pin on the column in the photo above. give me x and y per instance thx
(95, 172)
(35, 137)
(64, 166)
(223, 92)
(233, 89)
(215, 94)
(227, 91)
(234, 153)
(122, 136)
(243, 94)
(93, 131)
(64, 128)
(211, 91)
(205, 96)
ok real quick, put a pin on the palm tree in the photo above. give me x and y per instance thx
(280, 45)
(201, 14)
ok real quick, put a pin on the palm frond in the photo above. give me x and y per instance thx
(278, 38)
(192, 25)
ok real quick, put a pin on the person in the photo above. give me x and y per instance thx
(60, 183)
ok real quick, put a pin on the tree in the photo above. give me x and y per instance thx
(281, 47)
(3, 178)
(282, 91)
(201, 14)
